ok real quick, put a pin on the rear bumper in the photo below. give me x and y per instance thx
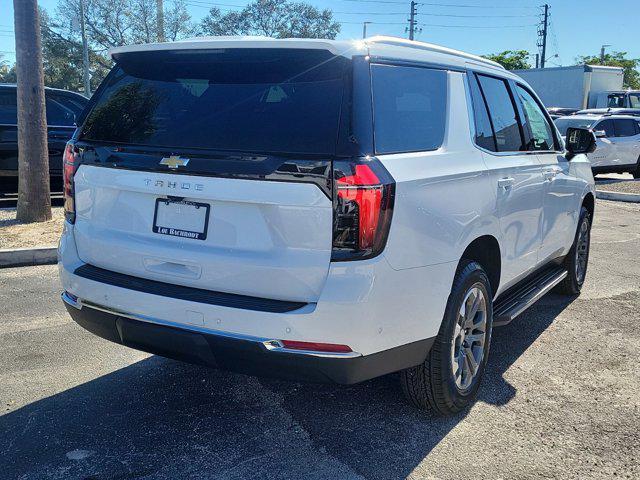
(241, 354)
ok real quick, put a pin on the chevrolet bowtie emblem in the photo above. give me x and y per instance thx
(174, 161)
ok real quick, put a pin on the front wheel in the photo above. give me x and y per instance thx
(577, 259)
(448, 380)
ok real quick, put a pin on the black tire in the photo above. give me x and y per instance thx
(636, 172)
(432, 384)
(572, 284)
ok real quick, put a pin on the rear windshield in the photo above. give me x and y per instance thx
(565, 122)
(268, 100)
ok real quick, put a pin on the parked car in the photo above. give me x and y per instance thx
(62, 106)
(320, 210)
(561, 112)
(618, 141)
(609, 111)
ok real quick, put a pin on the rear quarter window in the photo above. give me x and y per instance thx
(409, 108)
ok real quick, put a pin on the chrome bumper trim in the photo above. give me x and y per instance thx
(269, 344)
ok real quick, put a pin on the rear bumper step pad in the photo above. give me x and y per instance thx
(190, 294)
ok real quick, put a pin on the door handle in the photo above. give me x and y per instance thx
(506, 182)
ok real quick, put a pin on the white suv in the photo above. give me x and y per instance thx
(320, 210)
(618, 141)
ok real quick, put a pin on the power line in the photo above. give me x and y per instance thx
(456, 5)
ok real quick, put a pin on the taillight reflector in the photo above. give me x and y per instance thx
(315, 347)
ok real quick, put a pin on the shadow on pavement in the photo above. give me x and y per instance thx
(162, 419)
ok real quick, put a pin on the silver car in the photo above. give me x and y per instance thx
(618, 141)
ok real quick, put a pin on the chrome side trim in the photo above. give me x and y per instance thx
(268, 344)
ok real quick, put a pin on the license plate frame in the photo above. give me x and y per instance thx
(181, 232)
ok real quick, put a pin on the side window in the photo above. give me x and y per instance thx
(58, 114)
(541, 133)
(8, 108)
(409, 108)
(484, 137)
(606, 126)
(502, 113)
(624, 128)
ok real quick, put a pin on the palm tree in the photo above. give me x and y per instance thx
(34, 200)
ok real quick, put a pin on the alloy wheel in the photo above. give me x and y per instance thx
(582, 250)
(469, 337)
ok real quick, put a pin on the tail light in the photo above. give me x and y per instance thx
(69, 167)
(362, 206)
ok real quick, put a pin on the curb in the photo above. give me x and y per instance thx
(22, 257)
(617, 196)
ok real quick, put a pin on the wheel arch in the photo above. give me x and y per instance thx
(589, 202)
(486, 251)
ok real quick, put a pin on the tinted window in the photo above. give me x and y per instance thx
(409, 105)
(625, 128)
(58, 114)
(634, 100)
(541, 133)
(615, 100)
(607, 127)
(484, 132)
(8, 107)
(262, 101)
(502, 113)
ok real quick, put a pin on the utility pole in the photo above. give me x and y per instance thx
(85, 53)
(34, 197)
(160, 20)
(543, 33)
(412, 19)
(602, 53)
(537, 60)
(364, 29)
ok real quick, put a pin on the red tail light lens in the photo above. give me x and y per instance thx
(69, 167)
(316, 347)
(363, 204)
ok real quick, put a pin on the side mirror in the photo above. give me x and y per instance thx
(600, 133)
(579, 140)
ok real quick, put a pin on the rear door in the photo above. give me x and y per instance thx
(516, 174)
(213, 170)
(606, 152)
(627, 140)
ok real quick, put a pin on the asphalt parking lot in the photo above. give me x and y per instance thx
(560, 399)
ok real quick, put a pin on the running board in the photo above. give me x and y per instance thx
(515, 301)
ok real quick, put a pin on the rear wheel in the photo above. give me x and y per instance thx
(577, 259)
(448, 380)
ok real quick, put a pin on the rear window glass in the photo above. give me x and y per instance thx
(409, 108)
(625, 128)
(266, 100)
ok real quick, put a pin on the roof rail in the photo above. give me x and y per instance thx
(403, 42)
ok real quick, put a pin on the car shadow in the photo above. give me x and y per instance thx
(158, 418)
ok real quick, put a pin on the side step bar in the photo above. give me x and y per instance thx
(515, 301)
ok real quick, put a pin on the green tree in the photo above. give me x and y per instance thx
(617, 59)
(7, 71)
(511, 59)
(273, 18)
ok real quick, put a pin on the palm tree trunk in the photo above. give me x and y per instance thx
(34, 200)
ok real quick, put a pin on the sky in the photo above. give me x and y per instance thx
(577, 27)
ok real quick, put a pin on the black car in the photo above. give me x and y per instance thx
(63, 107)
